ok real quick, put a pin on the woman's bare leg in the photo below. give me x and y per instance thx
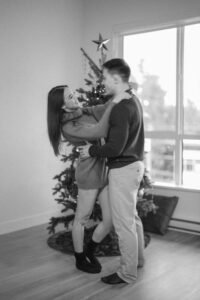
(105, 226)
(85, 204)
(102, 229)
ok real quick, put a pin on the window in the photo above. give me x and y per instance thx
(160, 158)
(165, 64)
(191, 162)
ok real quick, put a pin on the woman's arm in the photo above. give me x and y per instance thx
(92, 132)
(89, 132)
(100, 130)
(96, 111)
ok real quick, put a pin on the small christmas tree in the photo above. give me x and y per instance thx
(66, 188)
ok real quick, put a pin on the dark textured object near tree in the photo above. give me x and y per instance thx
(62, 241)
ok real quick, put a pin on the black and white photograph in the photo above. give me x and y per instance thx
(100, 150)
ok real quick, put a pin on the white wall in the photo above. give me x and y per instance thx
(39, 47)
(107, 16)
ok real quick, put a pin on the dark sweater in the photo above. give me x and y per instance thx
(125, 141)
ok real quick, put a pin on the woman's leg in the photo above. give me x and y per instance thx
(85, 204)
(105, 226)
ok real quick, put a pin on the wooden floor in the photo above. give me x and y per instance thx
(29, 269)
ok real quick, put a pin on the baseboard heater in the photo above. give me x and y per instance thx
(185, 225)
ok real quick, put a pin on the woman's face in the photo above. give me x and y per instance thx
(70, 100)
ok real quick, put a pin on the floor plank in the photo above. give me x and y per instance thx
(29, 269)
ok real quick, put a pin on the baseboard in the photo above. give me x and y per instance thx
(185, 225)
(23, 223)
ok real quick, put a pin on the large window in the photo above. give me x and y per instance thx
(166, 65)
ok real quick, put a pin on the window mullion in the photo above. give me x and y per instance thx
(179, 107)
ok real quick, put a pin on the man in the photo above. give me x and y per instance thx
(124, 149)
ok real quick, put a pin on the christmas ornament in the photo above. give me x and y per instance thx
(101, 43)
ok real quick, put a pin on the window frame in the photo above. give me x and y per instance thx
(119, 32)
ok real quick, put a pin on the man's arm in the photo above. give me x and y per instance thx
(118, 134)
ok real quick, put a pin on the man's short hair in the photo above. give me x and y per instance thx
(118, 66)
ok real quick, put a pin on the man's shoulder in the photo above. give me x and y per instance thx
(126, 104)
(131, 103)
(120, 110)
(127, 107)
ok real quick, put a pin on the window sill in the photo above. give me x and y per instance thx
(166, 186)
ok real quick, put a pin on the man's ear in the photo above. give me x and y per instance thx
(116, 79)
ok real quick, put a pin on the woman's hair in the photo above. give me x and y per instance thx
(54, 115)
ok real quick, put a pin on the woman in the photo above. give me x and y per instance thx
(66, 117)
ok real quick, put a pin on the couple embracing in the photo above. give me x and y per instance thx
(111, 171)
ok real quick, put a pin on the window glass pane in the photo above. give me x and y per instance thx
(159, 159)
(152, 58)
(191, 163)
(192, 79)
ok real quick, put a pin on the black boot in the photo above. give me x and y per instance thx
(89, 252)
(84, 265)
(112, 279)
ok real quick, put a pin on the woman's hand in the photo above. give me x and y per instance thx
(121, 96)
(84, 150)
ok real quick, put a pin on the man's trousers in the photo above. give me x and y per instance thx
(123, 188)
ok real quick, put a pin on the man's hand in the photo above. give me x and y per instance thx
(84, 150)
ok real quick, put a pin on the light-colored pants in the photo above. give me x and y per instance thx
(123, 187)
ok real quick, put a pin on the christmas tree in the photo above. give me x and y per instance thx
(66, 190)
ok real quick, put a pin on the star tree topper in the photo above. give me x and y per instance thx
(101, 43)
